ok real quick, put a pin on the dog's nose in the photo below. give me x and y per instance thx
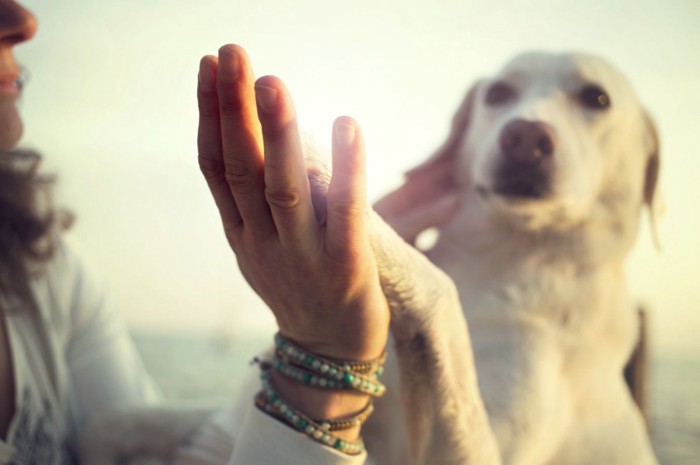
(527, 159)
(527, 142)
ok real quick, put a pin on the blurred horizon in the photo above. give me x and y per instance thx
(111, 105)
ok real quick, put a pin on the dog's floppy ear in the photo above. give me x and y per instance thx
(439, 168)
(651, 177)
(426, 197)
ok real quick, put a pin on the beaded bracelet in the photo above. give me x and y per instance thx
(331, 425)
(369, 367)
(338, 379)
(267, 400)
(344, 424)
(365, 380)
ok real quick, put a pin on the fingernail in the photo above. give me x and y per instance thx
(229, 60)
(266, 97)
(345, 134)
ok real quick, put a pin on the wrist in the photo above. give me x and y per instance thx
(327, 399)
(345, 345)
(358, 330)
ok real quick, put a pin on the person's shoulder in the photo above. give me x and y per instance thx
(70, 261)
(66, 282)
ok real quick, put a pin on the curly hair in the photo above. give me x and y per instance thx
(28, 221)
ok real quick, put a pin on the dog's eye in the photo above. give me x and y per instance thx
(592, 96)
(499, 93)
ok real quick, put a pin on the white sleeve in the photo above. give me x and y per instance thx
(259, 439)
(105, 369)
(240, 434)
(107, 372)
(265, 440)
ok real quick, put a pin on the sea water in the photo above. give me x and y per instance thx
(212, 369)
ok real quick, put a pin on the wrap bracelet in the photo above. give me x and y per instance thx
(342, 380)
(314, 370)
(317, 362)
(268, 401)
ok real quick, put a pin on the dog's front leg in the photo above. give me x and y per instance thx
(447, 420)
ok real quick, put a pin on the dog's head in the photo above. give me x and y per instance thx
(550, 141)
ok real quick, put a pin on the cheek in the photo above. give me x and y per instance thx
(10, 125)
(472, 168)
(624, 171)
(579, 171)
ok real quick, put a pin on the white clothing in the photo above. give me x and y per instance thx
(258, 439)
(72, 357)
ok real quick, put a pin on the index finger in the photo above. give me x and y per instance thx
(286, 184)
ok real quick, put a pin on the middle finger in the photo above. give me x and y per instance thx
(242, 140)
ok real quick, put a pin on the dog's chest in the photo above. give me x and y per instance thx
(497, 284)
(506, 281)
(546, 334)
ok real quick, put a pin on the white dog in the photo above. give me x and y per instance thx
(550, 163)
(553, 160)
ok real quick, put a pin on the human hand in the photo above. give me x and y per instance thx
(320, 281)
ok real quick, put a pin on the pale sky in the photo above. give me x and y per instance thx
(111, 104)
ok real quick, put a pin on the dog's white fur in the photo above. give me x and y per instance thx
(540, 283)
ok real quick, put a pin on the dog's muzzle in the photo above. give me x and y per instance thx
(527, 152)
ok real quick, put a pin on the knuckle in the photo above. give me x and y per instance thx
(209, 167)
(348, 258)
(239, 177)
(282, 199)
(239, 183)
(230, 109)
(230, 106)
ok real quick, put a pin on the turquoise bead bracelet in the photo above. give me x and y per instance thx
(369, 367)
(268, 401)
(311, 369)
(337, 379)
